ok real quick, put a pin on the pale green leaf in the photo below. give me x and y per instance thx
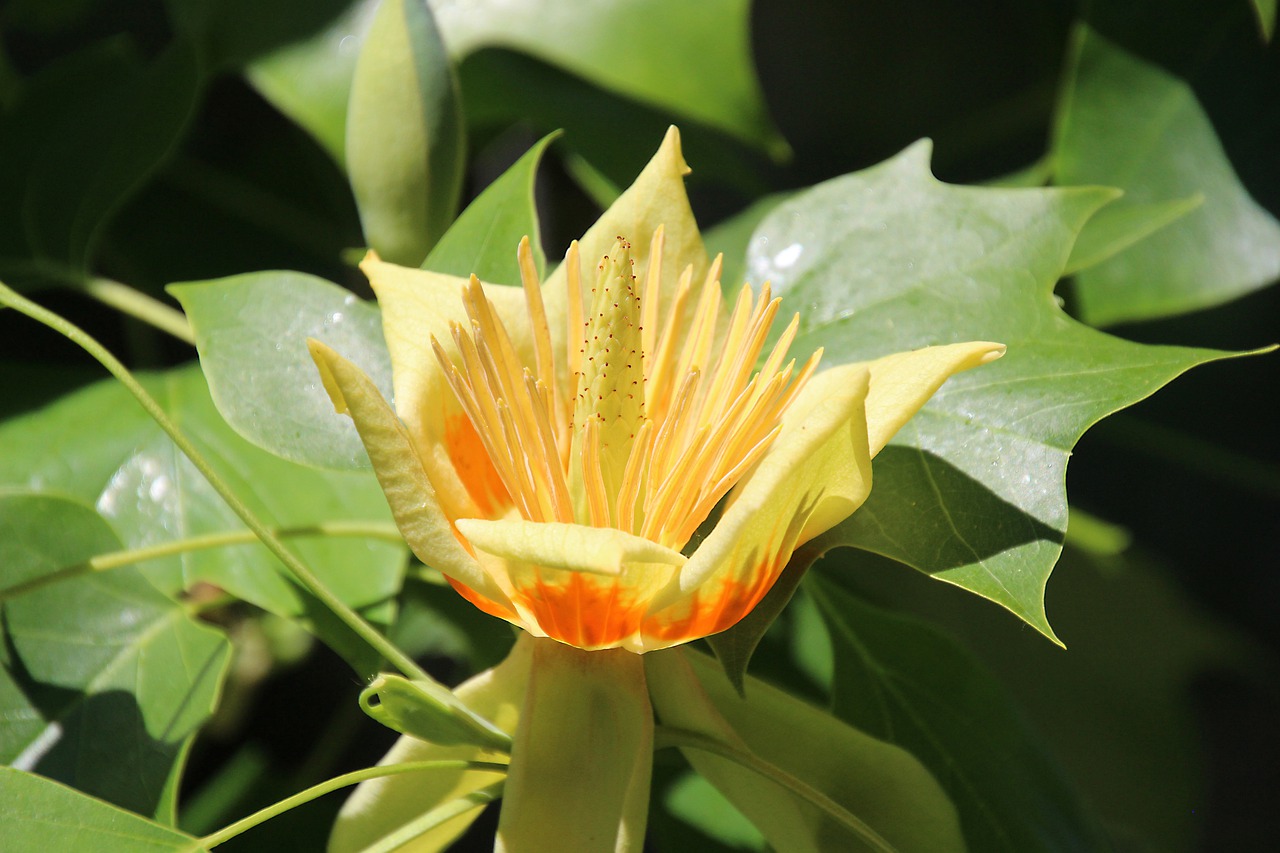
(43, 815)
(972, 490)
(1128, 123)
(405, 135)
(880, 784)
(904, 681)
(100, 447)
(251, 332)
(483, 240)
(105, 680)
(693, 59)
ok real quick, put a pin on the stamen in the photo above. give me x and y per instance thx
(632, 478)
(537, 314)
(667, 416)
(659, 382)
(593, 482)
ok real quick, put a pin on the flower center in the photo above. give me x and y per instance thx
(662, 414)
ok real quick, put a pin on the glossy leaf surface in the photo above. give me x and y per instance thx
(100, 447)
(483, 240)
(43, 815)
(104, 679)
(972, 490)
(252, 330)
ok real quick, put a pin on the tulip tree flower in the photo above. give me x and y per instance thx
(617, 461)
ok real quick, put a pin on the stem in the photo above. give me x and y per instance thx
(116, 559)
(346, 779)
(304, 575)
(137, 304)
(666, 736)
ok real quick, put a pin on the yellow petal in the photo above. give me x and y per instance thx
(576, 547)
(380, 806)
(816, 473)
(903, 382)
(417, 306)
(583, 755)
(408, 489)
(657, 197)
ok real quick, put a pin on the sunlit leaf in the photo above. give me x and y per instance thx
(104, 679)
(310, 79)
(904, 681)
(251, 332)
(404, 142)
(99, 446)
(43, 815)
(1128, 123)
(972, 490)
(483, 240)
(692, 59)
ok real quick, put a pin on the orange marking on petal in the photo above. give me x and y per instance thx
(586, 612)
(474, 467)
(482, 603)
(710, 611)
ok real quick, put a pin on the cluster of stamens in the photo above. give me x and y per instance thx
(662, 416)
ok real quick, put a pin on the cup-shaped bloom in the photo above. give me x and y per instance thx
(619, 458)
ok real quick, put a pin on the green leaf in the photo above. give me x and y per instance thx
(972, 490)
(99, 446)
(1118, 226)
(904, 681)
(881, 784)
(84, 135)
(429, 712)
(310, 79)
(251, 332)
(732, 236)
(43, 815)
(693, 59)
(105, 680)
(483, 240)
(1266, 11)
(405, 136)
(697, 802)
(1128, 123)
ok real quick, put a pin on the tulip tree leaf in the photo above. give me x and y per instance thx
(104, 679)
(99, 446)
(904, 681)
(251, 332)
(972, 490)
(691, 59)
(484, 238)
(81, 138)
(41, 814)
(1128, 123)
(405, 134)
